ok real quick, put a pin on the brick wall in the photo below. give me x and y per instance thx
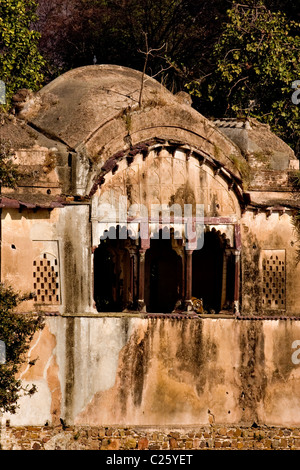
(144, 438)
(267, 179)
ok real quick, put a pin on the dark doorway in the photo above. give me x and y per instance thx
(104, 279)
(112, 275)
(163, 277)
(208, 272)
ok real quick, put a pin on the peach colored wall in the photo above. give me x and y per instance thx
(135, 371)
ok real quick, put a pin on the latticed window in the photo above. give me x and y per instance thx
(46, 279)
(273, 265)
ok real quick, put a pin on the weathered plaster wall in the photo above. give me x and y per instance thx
(138, 371)
(168, 178)
(19, 232)
(74, 232)
(265, 231)
(66, 234)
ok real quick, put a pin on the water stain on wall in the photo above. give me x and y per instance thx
(45, 368)
(162, 372)
(252, 369)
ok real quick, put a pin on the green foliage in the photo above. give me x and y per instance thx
(243, 166)
(255, 62)
(240, 62)
(9, 174)
(16, 331)
(295, 180)
(20, 61)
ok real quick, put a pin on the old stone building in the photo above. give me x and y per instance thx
(144, 326)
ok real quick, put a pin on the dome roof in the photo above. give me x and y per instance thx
(84, 99)
(91, 118)
(95, 111)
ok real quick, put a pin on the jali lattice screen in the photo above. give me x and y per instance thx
(273, 265)
(46, 279)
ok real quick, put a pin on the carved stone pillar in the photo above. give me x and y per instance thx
(145, 245)
(237, 259)
(188, 279)
(178, 247)
(226, 256)
(135, 277)
(134, 287)
(141, 299)
(131, 281)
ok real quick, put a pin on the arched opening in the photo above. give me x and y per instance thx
(213, 273)
(163, 276)
(112, 274)
(158, 275)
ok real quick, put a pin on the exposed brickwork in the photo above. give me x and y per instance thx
(270, 179)
(144, 438)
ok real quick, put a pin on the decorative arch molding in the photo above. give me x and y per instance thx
(172, 122)
(234, 182)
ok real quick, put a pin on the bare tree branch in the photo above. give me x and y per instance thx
(147, 53)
